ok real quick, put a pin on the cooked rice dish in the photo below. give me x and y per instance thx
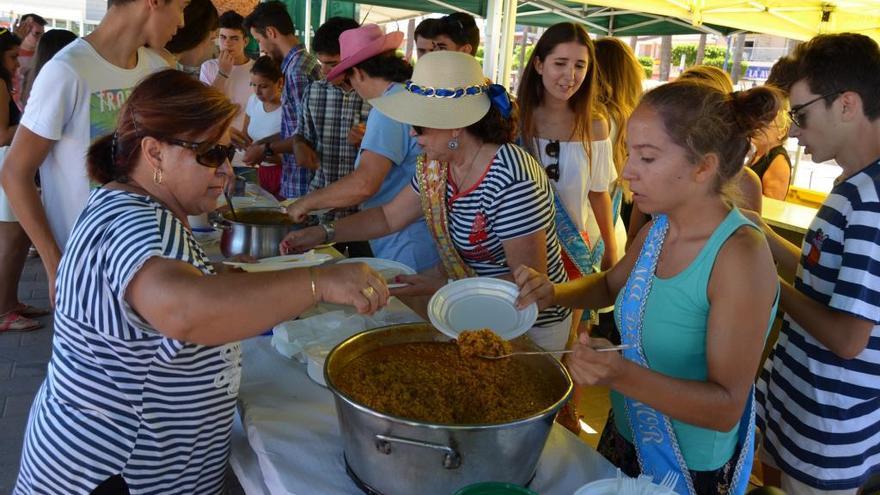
(483, 342)
(438, 382)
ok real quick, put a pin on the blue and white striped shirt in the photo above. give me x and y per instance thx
(821, 413)
(512, 199)
(119, 397)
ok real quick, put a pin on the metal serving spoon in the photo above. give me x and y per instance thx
(527, 353)
(229, 202)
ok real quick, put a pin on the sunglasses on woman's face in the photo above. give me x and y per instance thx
(552, 150)
(213, 157)
(418, 129)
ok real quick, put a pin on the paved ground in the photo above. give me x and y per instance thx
(23, 359)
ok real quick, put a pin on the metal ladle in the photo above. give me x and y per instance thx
(229, 202)
(529, 353)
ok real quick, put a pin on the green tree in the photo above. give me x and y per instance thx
(713, 55)
(647, 64)
(516, 52)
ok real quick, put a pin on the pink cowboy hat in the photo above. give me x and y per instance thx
(357, 45)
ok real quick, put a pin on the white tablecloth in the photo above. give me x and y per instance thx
(289, 442)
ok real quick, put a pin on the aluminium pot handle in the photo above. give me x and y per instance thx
(451, 458)
(221, 225)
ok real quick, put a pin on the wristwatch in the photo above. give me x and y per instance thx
(329, 231)
(267, 149)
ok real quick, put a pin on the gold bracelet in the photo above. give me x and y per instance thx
(313, 279)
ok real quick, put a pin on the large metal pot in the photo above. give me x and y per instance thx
(394, 456)
(246, 235)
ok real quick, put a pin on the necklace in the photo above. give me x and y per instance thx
(459, 181)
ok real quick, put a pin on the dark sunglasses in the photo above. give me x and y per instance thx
(797, 115)
(552, 150)
(213, 157)
(419, 129)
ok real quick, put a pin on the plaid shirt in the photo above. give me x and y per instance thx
(327, 115)
(299, 68)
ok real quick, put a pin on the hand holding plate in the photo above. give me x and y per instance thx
(534, 287)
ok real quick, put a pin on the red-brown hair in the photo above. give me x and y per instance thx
(167, 104)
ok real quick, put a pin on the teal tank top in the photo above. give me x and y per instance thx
(674, 342)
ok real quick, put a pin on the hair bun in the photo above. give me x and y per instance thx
(755, 108)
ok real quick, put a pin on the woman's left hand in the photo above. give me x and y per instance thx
(534, 287)
(588, 367)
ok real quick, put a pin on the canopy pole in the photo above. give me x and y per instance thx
(506, 61)
(492, 44)
(307, 28)
(323, 11)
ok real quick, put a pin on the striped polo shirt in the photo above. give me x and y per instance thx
(512, 199)
(119, 397)
(821, 413)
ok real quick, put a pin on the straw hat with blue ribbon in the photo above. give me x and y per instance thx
(447, 91)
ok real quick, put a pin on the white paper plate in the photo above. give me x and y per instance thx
(286, 262)
(610, 487)
(309, 258)
(481, 302)
(387, 268)
(601, 487)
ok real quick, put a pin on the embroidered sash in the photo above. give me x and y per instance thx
(599, 248)
(432, 176)
(655, 441)
(575, 246)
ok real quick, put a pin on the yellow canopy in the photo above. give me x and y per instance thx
(796, 19)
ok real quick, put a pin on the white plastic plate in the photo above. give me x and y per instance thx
(481, 302)
(610, 487)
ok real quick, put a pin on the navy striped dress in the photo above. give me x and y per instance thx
(512, 199)
(119, 397)
(821, 413)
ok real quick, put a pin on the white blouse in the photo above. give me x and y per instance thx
(579, 176)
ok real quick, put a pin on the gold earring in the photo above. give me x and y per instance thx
(157, 176)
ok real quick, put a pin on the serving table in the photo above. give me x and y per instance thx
(288, 440)
(787, 216)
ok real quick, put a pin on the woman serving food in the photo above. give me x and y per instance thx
(696, 321)
(145, 367)
(487, 202)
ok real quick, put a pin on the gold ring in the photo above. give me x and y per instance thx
(368, 292)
